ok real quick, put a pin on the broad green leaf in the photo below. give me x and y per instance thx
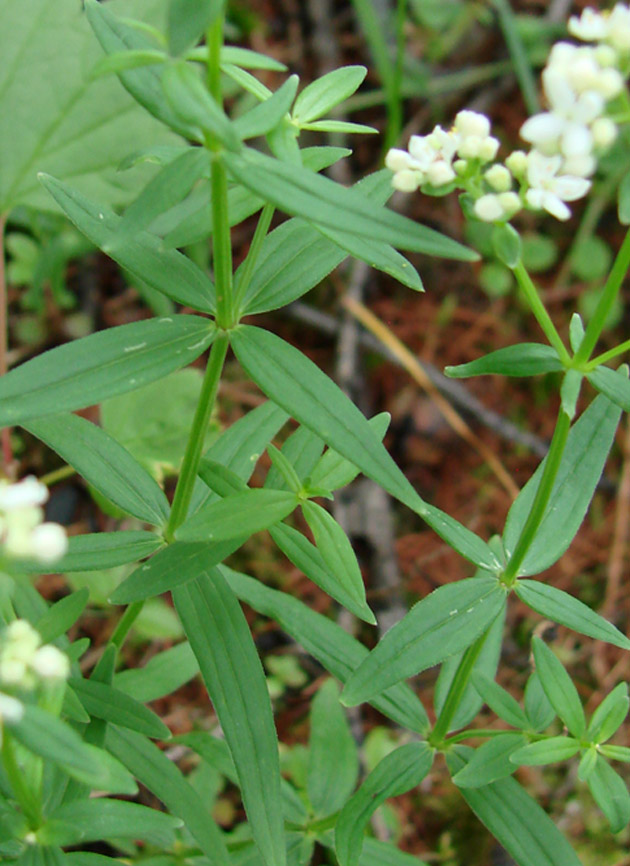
(105, 364)
(229, 664)
(537, 707)
(170, 567)
(62, 122)
(563, 608)
(548, 751)
(96, 819)
(322, 201)
(516, 820)
(397, 773)
(610, 792)
(588, 444)
(524, 359)
(50, 738)
(188, 21)
(302, 389)
(98, 550)
(105, 464)
(310, 561)
(486, 662)
(447, 621)
(334, 471)
(169, 186)
(301, 450)
(192, 104)
(326, 92)
(161, 776)
(609, 715)
(112, 705)
(163, 673)
(613, 383)
(333, 647)
(61, 616)
(238, 516)
(500, 701)
(264, 117)
(167, 271)
(559, 688)
(338, 555)
(490, 762)
(333, 762)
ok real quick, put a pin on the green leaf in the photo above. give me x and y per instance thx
(609, 715)
(563, 608)
(266, 116)
(537, 707)
(576, 331)
(238, 516)
(124, 60)
(301, 451)
(559, 688)
(112, 705)
(61, 616)
(93, 820)
(524, 359)
(62, 122)
(104, 464)
(102, 365)
(338, 126)
(50, 738)
(616, 753)
(613, 383)
(162, 674)
(283, 470)
(490, 762)
(246, 58)
(191, 102)
(322, 201)
(506, 243)
(170, 567)
(338, 555)
(397, 773)
(623, 200)
(161, 776)
(333, 471)
(167, 271)
(517, 822)
(334, 648)
(333, 763)
(588, 444)
(500, 701)
(188, 21)
(303, 390)
(548, 751)
(442, 624)
(98, 550)
(610, 793)
(376, 853)
(229, 664)
(570, 392)
(326, 92)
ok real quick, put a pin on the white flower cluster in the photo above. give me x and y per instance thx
(22, 533)
(24, 662)
(579, 83)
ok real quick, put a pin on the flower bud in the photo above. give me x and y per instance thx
(488, 208)
(604, 132)
(49, 663)
(48, 542)
(406, 181)
(517, 163)
(440, 173)
(510, 202)
(11, 710)
(499, 178)
(488, 148)
(397, 160)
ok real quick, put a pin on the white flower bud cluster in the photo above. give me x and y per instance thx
(24, 662)
(22, 533)
(611, 28)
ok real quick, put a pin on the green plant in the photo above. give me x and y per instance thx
(64, 736)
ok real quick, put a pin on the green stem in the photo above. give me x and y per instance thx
(607, 299)
(24, 796)
(552, 464)
(245, 276)
(455, 692)
(58, 475)
(518, 53)
(608, 356)
(188, 474)
(125, 622)
(538, 309)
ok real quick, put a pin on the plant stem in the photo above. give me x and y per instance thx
(608, 356)
(58, 475)
(125, 622)
(23, 795)
(545, 486)
(5, 436)
(244, 278)
(538, 309)
(456, 690)
(186, 481)
(607, 299)
(475, 733)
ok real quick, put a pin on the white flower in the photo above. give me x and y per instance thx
(49, 542)
(591, 26)
(580, 166)
(471, 123)
(11, 710)
(27, 493)
(472, 132)
(619, 27)
(488, 208)
(49, 663)
(22, 534)
(22, 639)
(550, 191)
(440, 172)
(398, 160)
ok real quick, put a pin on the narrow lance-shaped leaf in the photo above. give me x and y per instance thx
(398, 772)
(104, 464)
(162, 674)
(302, 450)
(613, 383)
(442, 624)
(334, 471)
(188, 21)
(107, 363)
(611, 794)
(547, 751)
(559, 688)
(97, 550)
(326, 92)
(229, 664)
(525, 359)
(490, 762)
(93, 820)
(112, 705)
(166, 270)
(238, 516)
(303, 390)
(264, 117)
(500, 701)
(62, 615)
(609, 715)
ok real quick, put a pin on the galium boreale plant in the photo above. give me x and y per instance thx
(66, 734)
